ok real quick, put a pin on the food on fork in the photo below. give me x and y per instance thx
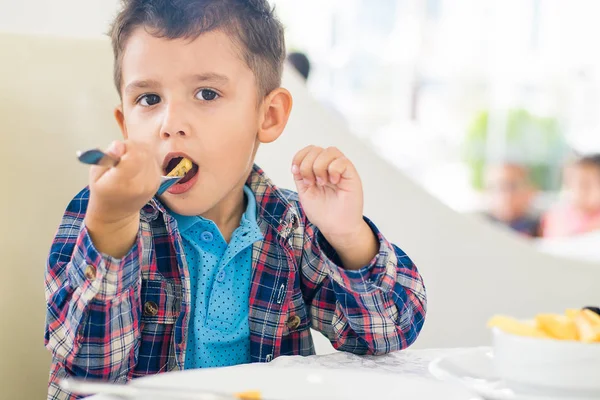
(184, 166)
(576, 325)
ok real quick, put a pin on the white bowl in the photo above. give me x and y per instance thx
(539, 366)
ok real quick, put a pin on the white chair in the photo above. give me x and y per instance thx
(56, 96)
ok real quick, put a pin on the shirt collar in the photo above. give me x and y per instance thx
(185, 222)
(271, 205)
(250, 213)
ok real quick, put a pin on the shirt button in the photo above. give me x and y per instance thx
(206, 236)
(90, 272)
(150, 309)
(293, 322)
(221, 276)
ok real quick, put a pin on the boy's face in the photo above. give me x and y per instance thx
(196, 99)
(583, 185)
(509, 192)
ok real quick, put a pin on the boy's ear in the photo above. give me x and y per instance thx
(275, 112)
(120, 117)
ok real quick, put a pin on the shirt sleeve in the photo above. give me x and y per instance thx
(377, 309)
(93, 305)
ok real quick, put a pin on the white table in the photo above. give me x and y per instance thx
(409, 363)
(581, 247)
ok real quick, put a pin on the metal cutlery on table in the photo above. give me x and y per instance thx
(128, 391)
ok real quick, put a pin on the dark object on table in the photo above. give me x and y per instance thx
(594, 309)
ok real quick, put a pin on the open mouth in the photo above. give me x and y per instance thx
(180, 166)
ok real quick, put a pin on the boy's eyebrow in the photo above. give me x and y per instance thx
(212, 77)
(141, 84)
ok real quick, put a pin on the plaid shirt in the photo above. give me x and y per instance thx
(118, 319)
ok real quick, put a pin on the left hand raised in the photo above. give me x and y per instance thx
(330, 191)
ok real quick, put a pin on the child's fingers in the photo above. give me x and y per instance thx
(306, 167)
(299, 157)
(322, 162)
(116, 149)
(137, 169)
(340, 168)
(139, 164)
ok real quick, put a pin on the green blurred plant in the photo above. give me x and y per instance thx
(532, 141)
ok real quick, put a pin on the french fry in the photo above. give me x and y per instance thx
(588, 325)
(516, 327)
(557, 326)
(576, 325)
(249, 395)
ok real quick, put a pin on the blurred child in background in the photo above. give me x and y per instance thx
(580, 212)
(510, 194)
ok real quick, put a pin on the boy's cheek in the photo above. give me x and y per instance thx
(143, 128)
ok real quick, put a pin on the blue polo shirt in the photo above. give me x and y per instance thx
(220, 276)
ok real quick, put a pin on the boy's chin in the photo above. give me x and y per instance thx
(188, 206)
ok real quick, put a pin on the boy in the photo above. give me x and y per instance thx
(581, 212)
(510, 194)
(224, 268)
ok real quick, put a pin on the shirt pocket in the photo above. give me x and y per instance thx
(160, 308)
(297, 318)
(161, 301)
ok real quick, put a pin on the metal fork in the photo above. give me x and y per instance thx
(98, 157)
(125, 391)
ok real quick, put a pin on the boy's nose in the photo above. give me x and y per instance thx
(165, 134)
(175, 122)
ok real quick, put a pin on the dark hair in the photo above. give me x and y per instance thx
(301, 62)
(592, 160)
(251, 24)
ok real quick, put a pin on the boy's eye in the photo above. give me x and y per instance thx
(148, 100)
(206, 95)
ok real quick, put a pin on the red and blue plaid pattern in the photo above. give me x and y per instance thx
(116, 320)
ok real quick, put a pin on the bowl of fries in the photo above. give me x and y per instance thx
(551, 353)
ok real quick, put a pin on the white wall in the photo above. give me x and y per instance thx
(75, 18)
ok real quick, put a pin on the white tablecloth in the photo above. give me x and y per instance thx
(412, 363)
(408, 362)
(585, 247)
